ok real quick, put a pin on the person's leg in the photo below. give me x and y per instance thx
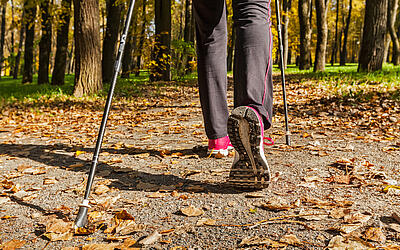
(253, 93)
(211, 37)
(253, 57)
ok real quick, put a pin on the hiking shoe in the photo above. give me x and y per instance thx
(219, 146)
(250, 169)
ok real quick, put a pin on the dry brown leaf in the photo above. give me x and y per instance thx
(340, 243)
(375, 234)
(59, 236)
(339, 213)
(313, 178)
(254, 241)
(151, 239)
(206, 222)
(101, 189)
(356, 218)
(4, 200)
(126, 227)
(129, 242)
(348, 228)
(111, 246)
(290, 239)
(192, 211)
(77, 165)
(156, 195)
(255, 195)
(59, 226)
(49, 181)
(276, 204)
(13, 244)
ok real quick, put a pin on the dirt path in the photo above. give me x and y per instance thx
(157, 186)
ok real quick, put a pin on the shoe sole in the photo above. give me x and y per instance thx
(251, 170)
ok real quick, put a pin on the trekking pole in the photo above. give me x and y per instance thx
(81, 219)
(278, 18)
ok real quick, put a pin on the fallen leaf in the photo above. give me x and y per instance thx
(58, 236)
(192, 211)
(254, 241)
(395, 227)
(206, 222)
(275, 204)
(59, 226)
(111, 246)
(77, 165)
(375, 234)
(313, 178)
(339, 213)
(129, 242)
(339, 243)
(4, 200)
(49, 181)
(151, 239)
(290, 239)
(255, 195)
(156, 195)
(13, 244)
(356, 218)
(101, 189)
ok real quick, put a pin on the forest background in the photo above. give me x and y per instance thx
(38, 38)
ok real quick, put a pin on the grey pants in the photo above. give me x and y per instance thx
(252, 62)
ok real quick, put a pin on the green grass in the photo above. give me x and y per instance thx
(345, 81)
(342, 81)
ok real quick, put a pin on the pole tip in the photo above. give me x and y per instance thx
(81, 219)
(288, 141)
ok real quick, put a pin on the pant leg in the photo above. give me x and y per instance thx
(211, 37)
(253, 62)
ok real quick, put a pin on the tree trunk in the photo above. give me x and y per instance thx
(114, 10)
(45, 43)
(322, 34)
(335, 44)
(21, 42)
(392, 16)
(305, 34)
(127, 57)
(2, 36)
(287, 5)
(12, 50)
(387, 47)
(87, 48)
(141, 40)
(29, 22)
(161, 51)
(373, 41)
(343, 51)
(60, 61)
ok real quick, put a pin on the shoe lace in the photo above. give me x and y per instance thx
(268, 141)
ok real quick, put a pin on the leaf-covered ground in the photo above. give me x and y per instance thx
(337, 186)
